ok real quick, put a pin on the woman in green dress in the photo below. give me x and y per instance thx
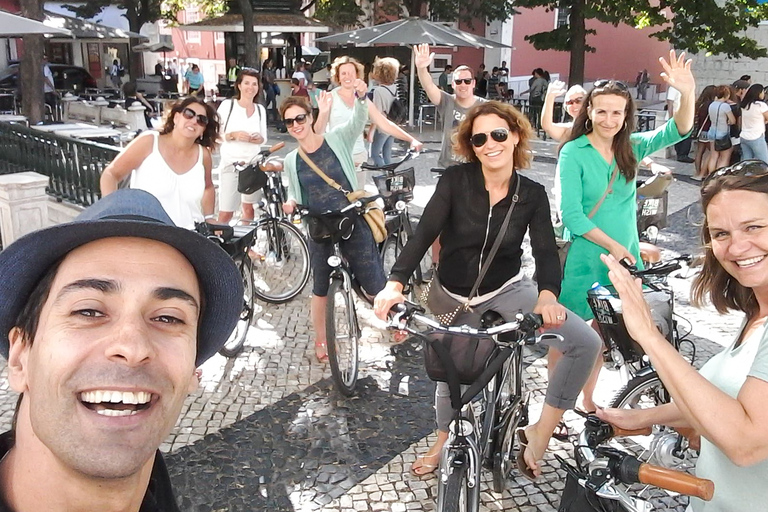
(601, 142)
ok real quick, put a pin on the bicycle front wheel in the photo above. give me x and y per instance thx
(642, 392)
(456, 494)
(234, 344)
(342, 333)
(281, 261)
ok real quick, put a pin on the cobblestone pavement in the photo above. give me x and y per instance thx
(266, 431)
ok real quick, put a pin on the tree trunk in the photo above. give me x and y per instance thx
(578, 43)
(136, 68)
(251, 59)
(31, 69)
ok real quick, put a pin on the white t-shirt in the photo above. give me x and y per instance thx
(233, 150)
(300, 76)
(673, 95)
(752, 121)
(736, 488)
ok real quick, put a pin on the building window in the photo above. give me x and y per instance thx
(219, 39)
(561, 16)
(192, 16)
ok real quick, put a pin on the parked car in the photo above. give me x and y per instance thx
(65, 77)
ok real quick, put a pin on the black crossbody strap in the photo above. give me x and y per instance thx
(231, 106)
(497, 242)
(497, 361)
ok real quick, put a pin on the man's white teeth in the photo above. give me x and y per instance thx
(116, 397)
(750, 261)
(115, 412)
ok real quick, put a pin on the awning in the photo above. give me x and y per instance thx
(262, 22)
(83, 29)
(154, 47)
(13, 25)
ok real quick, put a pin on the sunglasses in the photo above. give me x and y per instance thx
(575, 101)
(299, 119)
(466, 81)
(202, 119)
(744, 169)
(499, 135)
(618, 84)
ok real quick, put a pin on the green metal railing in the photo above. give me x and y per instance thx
(73, 166)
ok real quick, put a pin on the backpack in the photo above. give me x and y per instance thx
(398, 112)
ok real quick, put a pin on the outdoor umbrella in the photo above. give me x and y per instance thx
(162, 46)
(410, 32)
(12, 25)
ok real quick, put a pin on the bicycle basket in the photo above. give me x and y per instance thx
(608, 314)
(395, 187)
(469, 354)
(329, 228)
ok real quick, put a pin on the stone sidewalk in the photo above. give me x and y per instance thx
(267, 431)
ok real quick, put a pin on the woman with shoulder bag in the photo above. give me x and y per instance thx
(473, 205)
(332, 154)
(244, 130)
(721, 117)
(701, 127)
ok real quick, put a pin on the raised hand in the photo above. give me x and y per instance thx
(677, 72)
(556, 88)
(360, 87)
(422, 58)
(637, 314)
(324, 102)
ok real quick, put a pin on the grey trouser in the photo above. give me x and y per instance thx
(579, 347)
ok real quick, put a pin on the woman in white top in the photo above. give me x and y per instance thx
(726, 402)
(754, 115)
(344, 71)
(572, 102)
(244, 130)
(174, 164)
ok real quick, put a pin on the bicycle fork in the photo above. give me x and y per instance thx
(461, 450)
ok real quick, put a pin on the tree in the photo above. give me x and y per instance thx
(712, 26)
(31, 69)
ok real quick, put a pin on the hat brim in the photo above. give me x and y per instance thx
(23, 263)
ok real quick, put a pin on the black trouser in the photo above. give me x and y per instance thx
(683, 147)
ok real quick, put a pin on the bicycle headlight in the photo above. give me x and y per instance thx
(334, 261)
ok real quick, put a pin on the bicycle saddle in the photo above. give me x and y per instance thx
(490, 318)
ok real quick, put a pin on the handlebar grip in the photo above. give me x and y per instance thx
(277, 147)
(676, 481)
(620, 432)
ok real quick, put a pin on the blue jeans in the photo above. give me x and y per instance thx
(754, 149)
(381, 148)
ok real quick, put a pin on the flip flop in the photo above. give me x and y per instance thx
(321, 352)
(561, 432)
(428, 469)
(583, 413)
(522, 466)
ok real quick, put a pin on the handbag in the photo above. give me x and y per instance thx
(563, 246)
(723, 143)
(373, 215)
(251, 179)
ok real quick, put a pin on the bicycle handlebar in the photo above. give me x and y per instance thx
(676, 481)
(358, 204)
(620, 432)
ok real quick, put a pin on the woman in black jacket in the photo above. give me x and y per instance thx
(467, 210)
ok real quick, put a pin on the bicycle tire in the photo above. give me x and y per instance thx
(236, 341)
(426, 261)
(456, 491)
(342, 335)
(642, 391)
(390, 251)
(281, 270)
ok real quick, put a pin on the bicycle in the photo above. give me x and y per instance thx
(396, 189)
(641, 382)
(341, 325)
(278, 247)
(603, 475)
(486, 436)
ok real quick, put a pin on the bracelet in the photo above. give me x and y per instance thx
(209, 216)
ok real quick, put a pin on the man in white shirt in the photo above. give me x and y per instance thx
(683, 147)
(48, 87)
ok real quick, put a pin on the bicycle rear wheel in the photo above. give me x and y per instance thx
(281, 261)
(342, 333)
(234, 344)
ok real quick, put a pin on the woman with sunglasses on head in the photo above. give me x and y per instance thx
(574, 98)
(726, 401)
(467, 211)
(598, 197)
(344, 71)
(332, 153)
(243, 131)
(173, 164)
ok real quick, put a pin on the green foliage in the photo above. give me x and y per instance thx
(712, 26)
(139, 12)
(339, 13)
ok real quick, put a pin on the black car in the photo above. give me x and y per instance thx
(65, 77)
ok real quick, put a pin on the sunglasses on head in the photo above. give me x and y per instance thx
(202, 119)
(299, 119)
(575, 101)
(611, 83)
(479, 139)
(466, 81)
(743, 169)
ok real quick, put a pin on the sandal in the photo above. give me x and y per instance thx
(522, 466)
(426, 469)
(561, 432)
(321, 351)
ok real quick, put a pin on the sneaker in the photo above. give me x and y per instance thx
(685, 159)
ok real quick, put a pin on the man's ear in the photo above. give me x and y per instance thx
(18, 354)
